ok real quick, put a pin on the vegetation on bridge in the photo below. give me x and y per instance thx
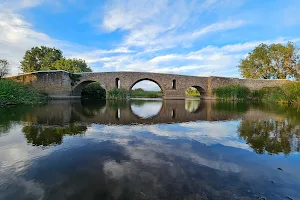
(12, 93)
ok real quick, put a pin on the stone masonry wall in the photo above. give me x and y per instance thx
(54, 83)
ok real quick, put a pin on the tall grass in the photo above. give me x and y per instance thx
(145, 94)
(232, 92)
(288, 93)
(117, 93)
(12, 93)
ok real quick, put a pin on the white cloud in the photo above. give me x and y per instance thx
(161, 24)
(16, 36)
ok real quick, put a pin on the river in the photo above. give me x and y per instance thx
(150, 149)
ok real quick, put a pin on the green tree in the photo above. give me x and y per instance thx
(4, 68)
(71, 65)
(40, 58)
(275, 61)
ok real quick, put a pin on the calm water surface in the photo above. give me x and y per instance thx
(149, 149)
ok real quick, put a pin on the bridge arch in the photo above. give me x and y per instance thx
(147, 79)
(200, 89)
(78, 88)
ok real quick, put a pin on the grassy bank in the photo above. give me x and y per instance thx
(288, 93)
(13, 93)
(140, 93)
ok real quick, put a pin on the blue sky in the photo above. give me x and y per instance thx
(192, 37)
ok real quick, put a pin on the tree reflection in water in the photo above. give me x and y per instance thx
(270, 136)
(192, 105)
(39, 135)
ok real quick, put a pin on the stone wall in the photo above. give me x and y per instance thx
(54, 83)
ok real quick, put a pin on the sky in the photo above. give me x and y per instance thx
(189, 37)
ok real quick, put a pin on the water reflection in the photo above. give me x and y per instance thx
(40, 135)
(192, 105)
(183, 150)
(146, 109)
(271, 136)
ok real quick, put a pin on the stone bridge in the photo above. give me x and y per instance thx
(62, 84)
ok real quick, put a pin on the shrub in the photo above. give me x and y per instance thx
(12, 92)
(232, 92)
(93, 91)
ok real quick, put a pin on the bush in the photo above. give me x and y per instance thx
(118, 93)
(232, 92)
(12, 93)
(93, 91)
(291, 92)
(288, 93)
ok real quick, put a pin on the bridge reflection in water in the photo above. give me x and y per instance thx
(130, 112)
(266, 128)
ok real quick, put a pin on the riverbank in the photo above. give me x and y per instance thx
(288, 93)
(13, 93)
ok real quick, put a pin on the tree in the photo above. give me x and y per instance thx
(72, 65)
(275, 61)
(4, 68)
(40, 58)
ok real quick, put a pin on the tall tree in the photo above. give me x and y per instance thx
(72, 65)
(275, 61)
(40, 58)
(4, 68)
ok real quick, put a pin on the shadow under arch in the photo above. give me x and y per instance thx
(200, 89)
(141, 103)
(77, 90)
(148, 79)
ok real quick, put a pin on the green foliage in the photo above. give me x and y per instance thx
(192, 92)
(16, 93)
(74, 78)
(275, 61)
(269, 136)
(117, 93)
(71, 65)
(232, 92)
(140, 93)
(4, 68)
(93, 91)
(40, 58)
(45, 136)
(46, 58)
(288, 93)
